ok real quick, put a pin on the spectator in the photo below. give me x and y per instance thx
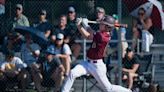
(43, 25)
(30, 51)
(100, 14)
(12, 42)
(124, 43)
(130, 67)
(2, 7)
(13, 70)
(62, 51)
(62, 28)
(48, 71)
(141, 28)
(75, 35)
(113, 46)
(20, 19)
(147, 37)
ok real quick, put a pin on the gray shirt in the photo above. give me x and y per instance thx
(63, 50)
(21, 21)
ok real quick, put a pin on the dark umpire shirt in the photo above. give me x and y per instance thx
(128, 63)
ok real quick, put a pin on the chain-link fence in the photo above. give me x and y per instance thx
(86, 9)
(56, 8)
(83, 8)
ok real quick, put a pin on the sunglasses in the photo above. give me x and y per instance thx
(42, 14)
(58, 39)
(141, 13)
(100, 12)
(70, 12)
(18, 9)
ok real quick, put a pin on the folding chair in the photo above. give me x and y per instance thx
(93, 83)
(144, 80)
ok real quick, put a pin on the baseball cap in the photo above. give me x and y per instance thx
(19, 6)
(71, 9)
(100, 9)
(115, 16)
(60, 36)
(129, 49)
(50, 50)
(43, 12)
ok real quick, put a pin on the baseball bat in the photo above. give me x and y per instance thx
(116, 25)
(92, 22)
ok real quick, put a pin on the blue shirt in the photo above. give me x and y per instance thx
(43, 26)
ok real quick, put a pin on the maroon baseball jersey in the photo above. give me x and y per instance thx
(100, 41)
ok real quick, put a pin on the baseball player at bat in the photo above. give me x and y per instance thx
(94, 64)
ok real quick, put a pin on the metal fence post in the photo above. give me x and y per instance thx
(119, 10)
(138, 46)
(84, 58)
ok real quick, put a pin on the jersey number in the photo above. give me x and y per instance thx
(93, 45)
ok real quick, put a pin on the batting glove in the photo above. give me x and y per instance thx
(78, 21)
(85, 23)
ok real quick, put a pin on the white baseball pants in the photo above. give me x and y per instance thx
(98, 71)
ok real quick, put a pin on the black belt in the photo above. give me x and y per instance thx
(90, 61)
